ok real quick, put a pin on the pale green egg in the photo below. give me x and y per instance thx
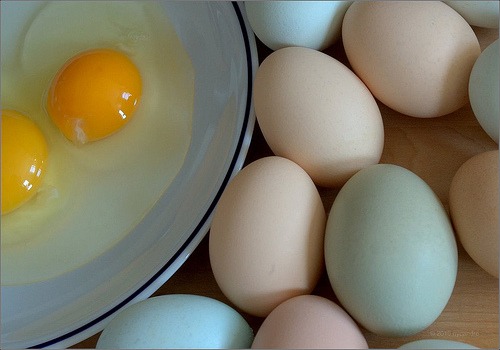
(177, 321)
(484, 89)
(436, 344)
(390, 251)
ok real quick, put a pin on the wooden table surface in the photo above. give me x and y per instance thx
(434, 149)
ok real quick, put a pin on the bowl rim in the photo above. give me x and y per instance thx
(147, 288)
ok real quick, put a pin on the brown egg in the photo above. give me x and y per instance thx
(266, 238)
(414, 56)
(314, 110)
(474, 209)
(309, 322)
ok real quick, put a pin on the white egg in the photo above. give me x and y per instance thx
(177, 321)
(484, 89)
(478, 13)
(312, 24)
(95, 194)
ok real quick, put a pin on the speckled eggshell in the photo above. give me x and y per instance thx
(177, 321)
(484, 90)
(313, 24)
(266, 238)
(428, 344)
(474, 209)
(309, 322)
(314, 110)
(390, 251)
(414, 56)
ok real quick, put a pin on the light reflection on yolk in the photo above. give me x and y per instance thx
(24, 157)
(94, 94)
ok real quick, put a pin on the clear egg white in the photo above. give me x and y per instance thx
(93, 195)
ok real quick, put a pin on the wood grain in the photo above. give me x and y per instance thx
(433, 149)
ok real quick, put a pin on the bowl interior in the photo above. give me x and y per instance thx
(66, 309)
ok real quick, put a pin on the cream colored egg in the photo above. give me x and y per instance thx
(313, 110)
(266, 238)
(474, 209)
(309, 322)
(414, 56)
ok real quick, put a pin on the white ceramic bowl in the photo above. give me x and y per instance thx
(67, 309)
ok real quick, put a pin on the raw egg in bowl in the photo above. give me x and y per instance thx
(143, 113)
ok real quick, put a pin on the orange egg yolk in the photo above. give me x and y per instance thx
(24, 158)
(94, 94)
